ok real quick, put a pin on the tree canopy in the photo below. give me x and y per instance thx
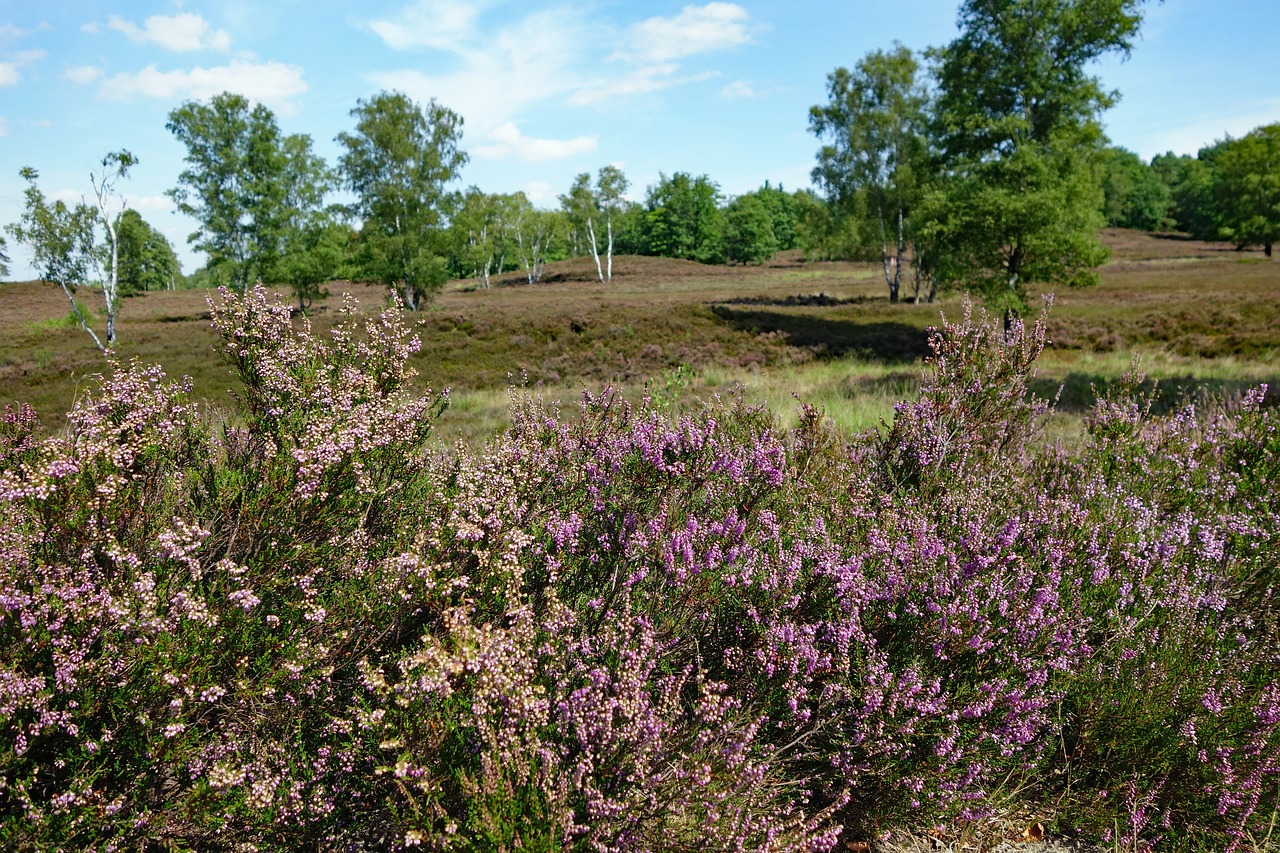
(398, 163)
(1247, 188)
(147, 261)
(876, 125)
(1017, 127)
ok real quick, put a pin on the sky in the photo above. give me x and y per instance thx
(547, 89)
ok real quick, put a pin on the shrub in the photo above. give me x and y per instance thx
(296, 624)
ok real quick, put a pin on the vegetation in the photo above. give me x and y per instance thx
(398, 162)
(1022, 589)
(146, 260)
(297, 626)
(876, 165)
(70, 244)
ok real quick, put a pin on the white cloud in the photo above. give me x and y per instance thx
(440, 24)
(149, 203)
(271, 83)
(502, 73)
(504, 68)
(541, 193)
(9, 71)
(739, 89)
(91, 27)
(640, 81)
(180, 33)
(9, 31)
(42, 122)
(508, 141)
(697, 29)
(82, 74)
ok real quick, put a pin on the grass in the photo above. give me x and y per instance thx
(1191, 314)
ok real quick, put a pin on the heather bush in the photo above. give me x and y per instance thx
(295, 623)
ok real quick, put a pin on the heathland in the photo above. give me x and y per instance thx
(294, 618)
(1200, 318)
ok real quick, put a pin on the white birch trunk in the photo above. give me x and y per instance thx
(609, 228)
(595, 252)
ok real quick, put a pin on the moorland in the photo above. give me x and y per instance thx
(1195, 317)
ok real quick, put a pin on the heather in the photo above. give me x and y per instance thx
(297, 623)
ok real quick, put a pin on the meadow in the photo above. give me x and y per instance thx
(648, 619)
(1199, 317)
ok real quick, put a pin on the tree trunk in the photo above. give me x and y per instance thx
(75, 309)
(609, 228)
(1266, 248)
(595, 252)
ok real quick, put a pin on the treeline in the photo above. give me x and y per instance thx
(980, 165)
(1229, 191)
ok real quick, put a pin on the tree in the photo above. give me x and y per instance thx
(1134, 196)
(1017, 123)
(478, 235)
(582, 207)
(533, 232)
(611, 189)
(683, 219)
(312, 254)
(748, 232)
(1247, 188)
(586, 205)
(309, 243)
(398, 162)
(147, 261)
(1190, 183)
(233, 184)
(4, 258)
(876, 121)
(65, 244)
(783, 212)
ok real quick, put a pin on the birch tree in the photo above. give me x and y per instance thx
(65, 244)
(398, 162)
(611, 189)
(115, 168)
(233, 185)
(582, 208)
(875, 123)
(533, 231)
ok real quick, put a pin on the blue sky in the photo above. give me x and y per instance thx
(546, 89)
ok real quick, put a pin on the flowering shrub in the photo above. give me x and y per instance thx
(295, 624)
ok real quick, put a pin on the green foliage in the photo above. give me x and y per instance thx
(683, 219)
(1019, 139)
(64, 241)
(4, 257)
(1032, 216)
(1190, 183)
(1247, 188)
(748, 231)
(314, 253)
(875, 162)
(784, 211)
(146, 260)
(59, 236)
(1134, 195)
(233, 184)
(398, 162)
